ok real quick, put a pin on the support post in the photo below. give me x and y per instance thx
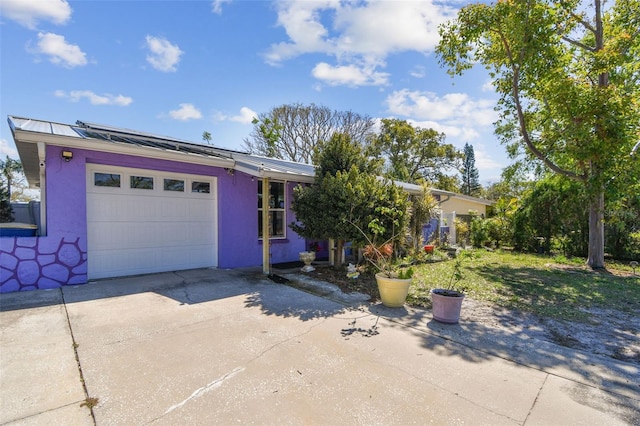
(266, 263)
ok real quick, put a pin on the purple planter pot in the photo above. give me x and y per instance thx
(446, 305)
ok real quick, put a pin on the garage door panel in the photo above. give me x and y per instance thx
(174, 210)
(175, 234)
(135, 231)
(200, 235)
(124, 208)
(200, 211)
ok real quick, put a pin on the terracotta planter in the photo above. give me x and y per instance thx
(446, 305)
(429, 248)
(393, 291)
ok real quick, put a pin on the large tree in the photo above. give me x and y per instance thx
(567, 73)
(470, 176)
(413, 154)
(348, 194)
(292, 132)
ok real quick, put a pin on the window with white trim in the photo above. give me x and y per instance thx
(277, 213)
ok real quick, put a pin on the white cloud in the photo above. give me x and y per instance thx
(163, 55)
(216, 5)
(59, 51)
(484, 160)
(94, 99)
(450, 109)
(306, 33)
(361, 33)
(186, 112)
(349, 75)
(488, 86)
(29, 12)
(418, 72)
(6, 149)
(457, 132)
(384, 27)
(246, 116)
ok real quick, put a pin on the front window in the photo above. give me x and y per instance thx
(277, 205)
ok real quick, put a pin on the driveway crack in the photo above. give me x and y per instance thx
(535, 401)
(89, 402)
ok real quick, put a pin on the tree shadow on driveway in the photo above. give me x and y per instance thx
(287, 302)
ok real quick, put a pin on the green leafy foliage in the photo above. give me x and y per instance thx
(6, 211)
(345, 193)
(423, 209)
(9, 168)
(478, 232)
(553, 210)
(567, 75)
(405, 274)
(413, 154)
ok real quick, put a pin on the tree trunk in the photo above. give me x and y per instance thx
(338, 259)
(595, 257)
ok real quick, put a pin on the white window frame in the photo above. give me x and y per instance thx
(274, 209)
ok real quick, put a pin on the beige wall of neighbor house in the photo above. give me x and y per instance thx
(462, 205)
(450, 202)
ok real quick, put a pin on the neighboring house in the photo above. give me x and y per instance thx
(451, 202)
(117, 202)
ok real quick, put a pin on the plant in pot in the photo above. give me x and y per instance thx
(392, 279)
(447, 301)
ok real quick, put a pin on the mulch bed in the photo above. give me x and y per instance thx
(365, 283)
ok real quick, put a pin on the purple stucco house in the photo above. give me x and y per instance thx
(117, 202)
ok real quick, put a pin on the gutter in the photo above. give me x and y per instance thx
(27, 136)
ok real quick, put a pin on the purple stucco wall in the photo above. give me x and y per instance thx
(60, 257)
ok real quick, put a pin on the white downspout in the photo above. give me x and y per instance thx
(42, 155)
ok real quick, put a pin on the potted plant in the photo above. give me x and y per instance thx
(393, 281)
(447, 302)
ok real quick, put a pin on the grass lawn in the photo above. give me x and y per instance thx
(554, 287)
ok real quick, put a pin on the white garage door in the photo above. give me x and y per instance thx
(142, 221)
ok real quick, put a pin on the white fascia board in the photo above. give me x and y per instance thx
(291, 177)
(273, 174)
(120, 148)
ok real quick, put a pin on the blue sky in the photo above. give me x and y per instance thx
(178, 68)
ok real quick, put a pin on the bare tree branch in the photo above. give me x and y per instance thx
(578, 44)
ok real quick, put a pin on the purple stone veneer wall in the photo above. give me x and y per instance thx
(41, 262)
(60, 258)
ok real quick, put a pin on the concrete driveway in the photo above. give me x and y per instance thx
(208, 347)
